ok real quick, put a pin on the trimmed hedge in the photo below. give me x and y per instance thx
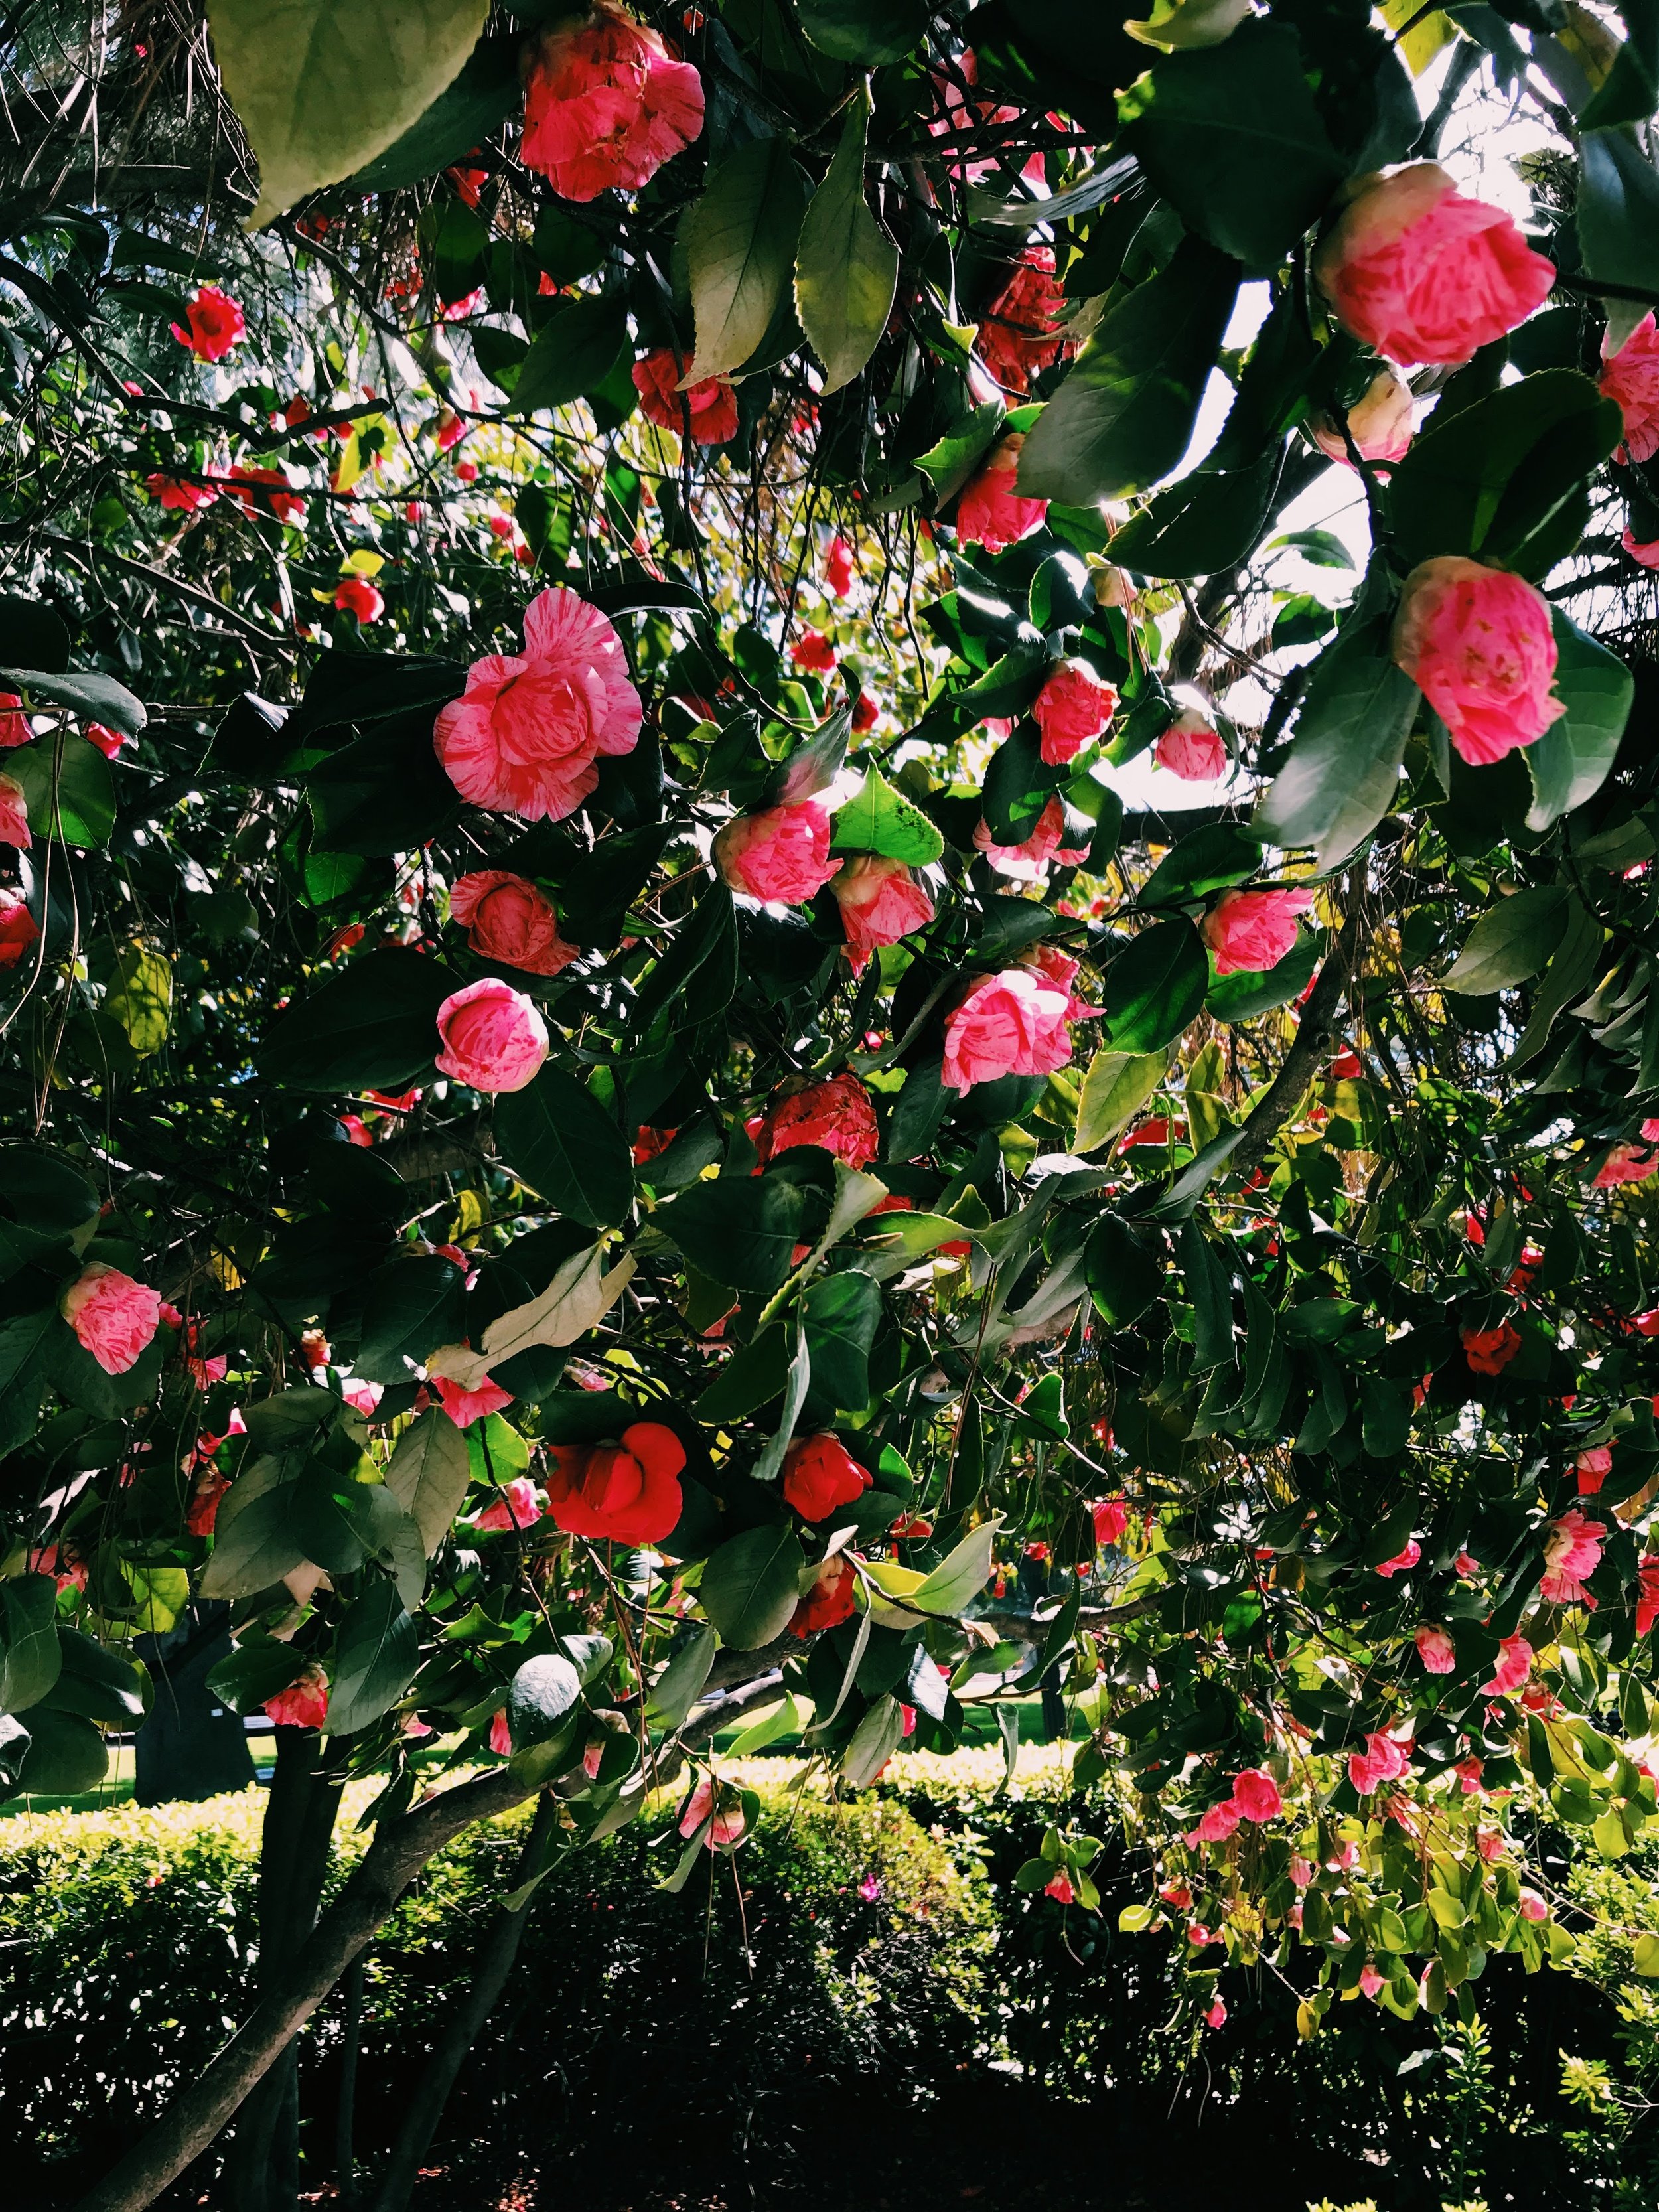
(874, 2014)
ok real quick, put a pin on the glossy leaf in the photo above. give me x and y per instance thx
(846, 267)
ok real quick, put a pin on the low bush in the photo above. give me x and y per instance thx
(861, 2008)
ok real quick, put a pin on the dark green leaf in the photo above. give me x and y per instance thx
(371, 1028)
(868, 32)
(1572, 759)
(66, 1756)
(74, 800)
(847, 267)
(1124, 415)
(739, 1230)
(1343, 772)
(1121, 1272)
(461, 118)
(559, 1139)
(376, 1654)
(750, 1585)
(1208, 522)
(1155, 988)
(1205, 859)
(842, 1314)
(739, 241)
(1240, 997)
(573, 351)
(30, 1655)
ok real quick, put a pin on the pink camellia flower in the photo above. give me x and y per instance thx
(1251, 931)
(1645, 556)
(706, 412)
(18, 930)
(1029, 863)
(1532, 1906)
(606, 105)
(519, 1506)
(1382, 1760)
(1647, 1600)
(1191, 749)
(1379, 422)
(1255, 1796)
(466, 1407)
(1073, 705)
(1301, 1871)
(15, 727)
(1479, 644)
(820, 1476)
(500, 1735)
(1626, 1164)
(1369, 1980)
(114, 1316)
(356, 595)
(1593, 1468)
(508, 919)
(525, 734)
(1490, 1843)
(1489, 1351)
(172, 492)
(1009, 1024)
(781, 853)
(839, 567)
(627, 1492)
(1061, 1889)
(1020, 334)
(1111, 1518)
(494, 1037)
(1198, 1935)
(1631, 377)
(14, 814)
(304, 1703)
(1421, 274)
(108, 741)
(1217, 2015)
(1402, 1562)
(216, 322)
(1572, 1549)
(1058, 970)
(1176, 1896)
(727, 1826)
(363, 1398)
(1217, 1825)
(1436, 1649)
(880, 902)
(990, 511)
(1514, 1665)
(1469, 1773)
(837, 1115)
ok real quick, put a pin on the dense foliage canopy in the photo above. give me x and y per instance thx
(627, 1098)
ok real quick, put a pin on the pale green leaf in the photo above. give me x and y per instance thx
(847, 268)
(740, 241)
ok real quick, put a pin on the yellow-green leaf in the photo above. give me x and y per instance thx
(140, 997)
(846, 270)
(322, 86)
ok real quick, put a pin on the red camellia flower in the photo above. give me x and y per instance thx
(606, 105)
(114, 1316)
(1647, 1603)
(173, 492)
(1593, 1468)
(990, 511)
(507, 918)
(706, 412)
(838, 567)
(1073, 705)
(15, 729)
(356, 595)
(1021, 335)
(837, 1115)
(206, 1492)
(108, 741)
(1403, 1561)
(865, 714)
(216, 322)
(820, 1476)
(1489, 1351)
(880, 902)
(18, 930)
(1010, 1023)
(830, 1601)
(781, 853)
(1421, 274)
(494, 1037)
(523, 737)
(1644, 556)
(1478, 642)
(1632, 378)
(264, 491)
(628, 1493)
(304, 1703)
(1252, 931)
(812, 650)
(1111, 1518)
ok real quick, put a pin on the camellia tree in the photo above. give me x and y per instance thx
(612, 1122)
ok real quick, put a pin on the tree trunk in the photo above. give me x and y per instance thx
(345, 2163)
(497, 1953)
(299, 1984)
(262, 2170)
